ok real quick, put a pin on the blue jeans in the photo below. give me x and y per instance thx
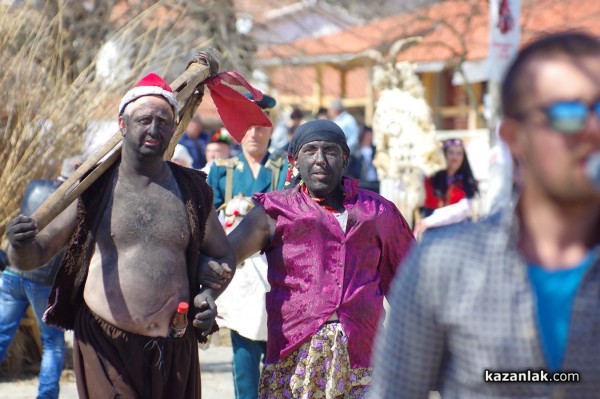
(247, 356)
(16, 293)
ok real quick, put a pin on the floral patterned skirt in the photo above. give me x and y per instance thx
(320, 368)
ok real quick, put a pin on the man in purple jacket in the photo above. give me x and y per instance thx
(333, 250)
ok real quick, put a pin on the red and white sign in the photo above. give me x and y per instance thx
(505, 35)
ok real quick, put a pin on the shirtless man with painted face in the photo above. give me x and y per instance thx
(149, 221)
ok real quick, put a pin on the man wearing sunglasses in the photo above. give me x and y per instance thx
(509, 306)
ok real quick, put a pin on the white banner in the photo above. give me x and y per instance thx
(505, 36)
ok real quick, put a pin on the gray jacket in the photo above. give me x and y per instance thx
(462, 304)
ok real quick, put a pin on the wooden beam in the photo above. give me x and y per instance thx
(355, 102)
(429, 87)
(317, 100)
(370, 100)
(478, 89)
(455, 110)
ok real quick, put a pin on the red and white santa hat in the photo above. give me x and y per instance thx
(150, 85)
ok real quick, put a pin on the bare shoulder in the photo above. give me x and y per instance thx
(264, 220)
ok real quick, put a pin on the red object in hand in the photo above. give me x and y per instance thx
(183, 307)
(179, 321)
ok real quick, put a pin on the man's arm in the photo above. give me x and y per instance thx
(250, 236)
(216, 247)
(253, 233)
(29, 248)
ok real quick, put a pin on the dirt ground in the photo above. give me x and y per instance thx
(215, 365)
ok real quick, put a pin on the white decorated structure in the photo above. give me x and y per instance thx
(404, 135)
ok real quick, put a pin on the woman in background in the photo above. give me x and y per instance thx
(449, 193)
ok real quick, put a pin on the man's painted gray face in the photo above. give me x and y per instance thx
(150, 124)
(321, 164)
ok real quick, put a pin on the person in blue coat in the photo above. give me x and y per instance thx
(242, 305)
(195, 139)
(254, 170)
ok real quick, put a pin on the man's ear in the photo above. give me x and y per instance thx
(511, 131)
(122, 125)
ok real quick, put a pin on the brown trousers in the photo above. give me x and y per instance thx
(112, 363)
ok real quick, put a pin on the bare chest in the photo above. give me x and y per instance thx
(154, 215)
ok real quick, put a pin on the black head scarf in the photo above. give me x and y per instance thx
(318, 130)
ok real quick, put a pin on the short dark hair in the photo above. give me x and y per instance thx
(297, 114)
(571, 44)
(363, 131)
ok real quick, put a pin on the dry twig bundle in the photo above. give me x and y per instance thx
(48, 99)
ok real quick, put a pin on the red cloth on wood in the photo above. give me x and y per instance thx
(237, 112)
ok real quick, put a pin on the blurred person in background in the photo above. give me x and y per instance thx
(218, 147)
(360, 165)
(20, 289)
(194, 139)
(322, 113)
(449, 193)
(338, 114)
(280, 146)
(281, 134)
(503, 176)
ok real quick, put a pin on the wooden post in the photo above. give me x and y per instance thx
(370, 100)
(428, 85)
(318, 89)
(343, 83)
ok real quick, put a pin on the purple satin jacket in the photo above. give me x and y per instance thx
(316, 269)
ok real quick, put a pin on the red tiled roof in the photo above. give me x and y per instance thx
(450, 28)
